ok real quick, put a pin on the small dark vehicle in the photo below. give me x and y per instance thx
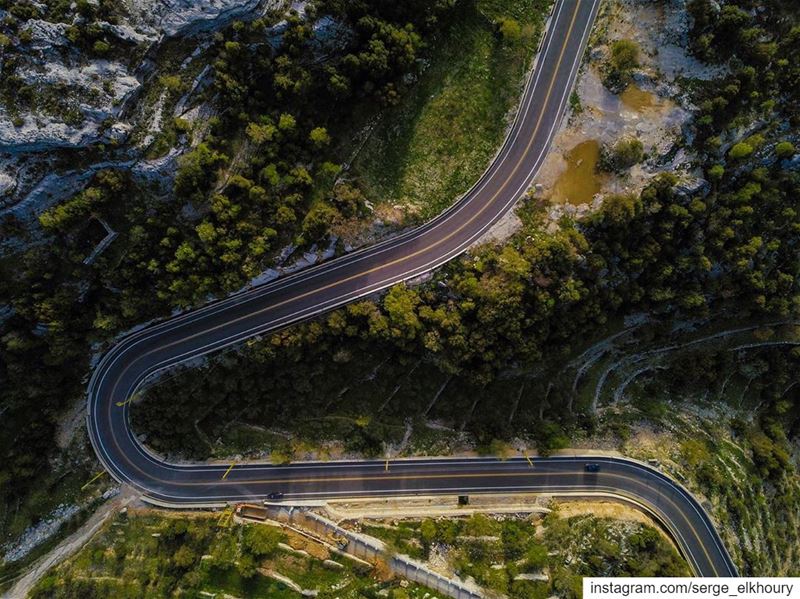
(275, 496)
(592, 467)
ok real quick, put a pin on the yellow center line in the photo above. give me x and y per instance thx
(398, 260)
(339, 282)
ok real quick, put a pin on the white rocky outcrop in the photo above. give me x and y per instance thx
(185, 17)
(78, 101)
(83, 88)
(55, 187)
(47, 37)
(7, 183)
(96, 90)
(35, 535)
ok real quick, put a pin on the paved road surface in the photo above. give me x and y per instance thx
(335, 283)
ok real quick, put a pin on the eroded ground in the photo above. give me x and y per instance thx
(652, 108)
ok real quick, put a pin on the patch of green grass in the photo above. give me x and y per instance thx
(246, 440)
(404, 538)
(434, 145)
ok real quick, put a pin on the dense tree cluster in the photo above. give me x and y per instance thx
(759, 49)
(533, 301)
(275, 182)
(732, 246)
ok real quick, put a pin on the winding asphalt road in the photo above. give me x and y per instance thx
(126, 366)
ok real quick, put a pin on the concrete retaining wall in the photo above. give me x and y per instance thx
(371, 550)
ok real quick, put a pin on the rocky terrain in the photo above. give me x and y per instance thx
(653, 109)
(72, 98)
(186, 17)
(62, 104)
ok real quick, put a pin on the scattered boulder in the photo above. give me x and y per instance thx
(693, 186)
(7, 184)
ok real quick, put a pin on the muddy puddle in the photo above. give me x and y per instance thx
(580, 181)
(638, 100)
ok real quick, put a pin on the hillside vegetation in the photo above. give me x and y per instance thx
(725, 250)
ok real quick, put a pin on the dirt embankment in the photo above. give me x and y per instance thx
(72, 543)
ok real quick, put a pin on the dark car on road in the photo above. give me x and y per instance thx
(275, 496)
(592, 467)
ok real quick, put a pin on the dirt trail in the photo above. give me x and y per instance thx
(71, 544)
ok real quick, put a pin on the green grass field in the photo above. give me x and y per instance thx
(434, 145)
